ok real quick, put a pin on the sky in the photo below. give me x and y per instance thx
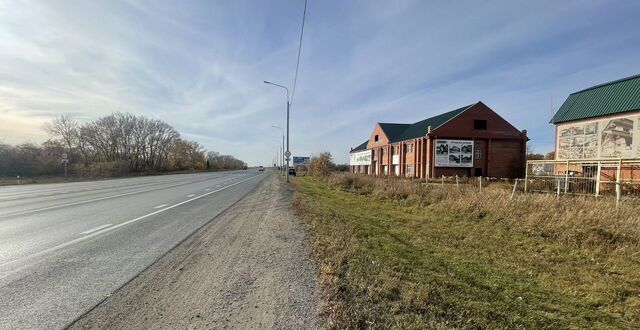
(200, 65)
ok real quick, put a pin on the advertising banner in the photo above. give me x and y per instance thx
(360, 158)
(613, 137)
(454, 153)
(300, 161)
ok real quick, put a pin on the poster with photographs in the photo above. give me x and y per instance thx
(454, 153)
(600, 139)
(616, 139)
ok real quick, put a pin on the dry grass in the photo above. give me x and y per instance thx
(397, 254)
(576, 220)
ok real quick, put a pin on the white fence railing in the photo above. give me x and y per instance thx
(592, 177)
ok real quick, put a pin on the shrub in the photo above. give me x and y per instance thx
(321, 165)
(108, 169)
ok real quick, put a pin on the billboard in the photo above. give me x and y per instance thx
(454, 153)
(299, 161)
(360, 158)
(612, 137)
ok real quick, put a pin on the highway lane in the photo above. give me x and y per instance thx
(65, 247)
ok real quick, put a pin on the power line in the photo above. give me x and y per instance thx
(295, 79)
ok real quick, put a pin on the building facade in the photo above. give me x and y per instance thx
(600, 122)
(469, 141)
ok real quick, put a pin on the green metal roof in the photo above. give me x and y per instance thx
(403, 132)
(419, 129)
(361, 147)
(606, 99)
(392, 131)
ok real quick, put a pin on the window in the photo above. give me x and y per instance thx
(480, 124)
(478, 154)
(409, 169)
(385, 171)
(375, 138)
(381, 153)
(408, 148)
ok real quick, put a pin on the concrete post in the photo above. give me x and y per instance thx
(566, 178)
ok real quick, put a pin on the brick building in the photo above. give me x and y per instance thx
(600, 122)
(469, 141)
(598, 133)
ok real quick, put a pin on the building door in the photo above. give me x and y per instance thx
(479, 158)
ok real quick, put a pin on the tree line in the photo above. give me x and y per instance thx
(115, 144)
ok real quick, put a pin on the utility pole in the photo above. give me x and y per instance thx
(287, 153)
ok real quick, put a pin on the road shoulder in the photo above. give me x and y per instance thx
(248, 268)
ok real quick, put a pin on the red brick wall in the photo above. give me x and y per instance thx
(505, 159)
(462, 125)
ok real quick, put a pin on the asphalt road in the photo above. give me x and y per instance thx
(65, 247)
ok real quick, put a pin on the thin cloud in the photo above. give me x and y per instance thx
(200, 65)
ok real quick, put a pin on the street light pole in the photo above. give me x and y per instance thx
(287, 153)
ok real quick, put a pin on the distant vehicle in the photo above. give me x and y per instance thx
(244, 167)
(292, 171)
(261, 168)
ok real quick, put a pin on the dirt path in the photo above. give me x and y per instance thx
(249, 268)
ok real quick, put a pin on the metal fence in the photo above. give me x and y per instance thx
(590, 177)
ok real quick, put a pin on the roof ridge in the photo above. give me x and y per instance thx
(461, 109)
(607, 83)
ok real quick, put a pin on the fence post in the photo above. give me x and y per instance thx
(457, 185)
(442, 179)
(480, 180)
(558, 189)
(598, 179)
(526, 177)
(566, 178)
(618, 182)
(514, 188)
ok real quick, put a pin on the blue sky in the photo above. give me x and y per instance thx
(199, 65)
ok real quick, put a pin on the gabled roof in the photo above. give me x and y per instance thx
(419, 129)
(393, 130)
(361, 147)
(402, 132)
(605, 99)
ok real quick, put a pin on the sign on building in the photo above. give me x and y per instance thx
(612, 137)
(300, 161)
(360, 158)
(454, 153)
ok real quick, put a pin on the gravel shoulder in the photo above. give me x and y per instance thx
(249, 268)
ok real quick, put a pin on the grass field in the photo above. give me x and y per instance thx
(396, 254)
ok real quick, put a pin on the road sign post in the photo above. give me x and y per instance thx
(65, 160)
(287, 155)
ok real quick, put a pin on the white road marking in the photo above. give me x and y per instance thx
(188, 196)
(87, 201)
(102, 231)
(207, 189)
(95, 229)
(160, 206)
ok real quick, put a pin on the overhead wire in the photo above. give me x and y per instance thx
(295, 79)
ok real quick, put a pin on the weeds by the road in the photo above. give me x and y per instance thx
(395, 253)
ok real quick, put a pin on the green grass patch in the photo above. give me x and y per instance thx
(389, 263)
